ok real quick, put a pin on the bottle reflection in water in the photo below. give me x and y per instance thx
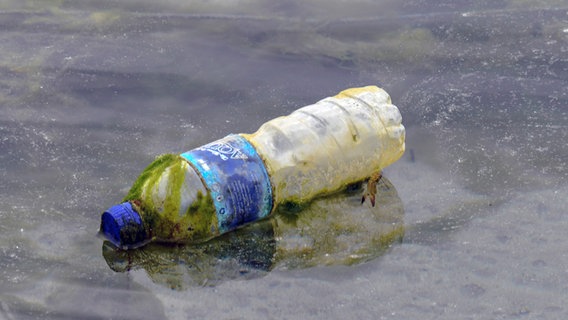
(332, 230)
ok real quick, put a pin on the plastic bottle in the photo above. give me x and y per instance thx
(226, 184)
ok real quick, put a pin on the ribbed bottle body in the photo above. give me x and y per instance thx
(323, 147)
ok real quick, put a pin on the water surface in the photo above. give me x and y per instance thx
(91, 92)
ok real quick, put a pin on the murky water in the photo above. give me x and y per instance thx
(91, 92)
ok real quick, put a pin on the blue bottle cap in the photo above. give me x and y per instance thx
(122, 225)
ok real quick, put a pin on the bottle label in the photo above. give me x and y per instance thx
(237, 179)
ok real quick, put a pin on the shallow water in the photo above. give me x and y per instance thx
(91, 92)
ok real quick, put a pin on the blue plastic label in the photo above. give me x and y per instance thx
(238, 181)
